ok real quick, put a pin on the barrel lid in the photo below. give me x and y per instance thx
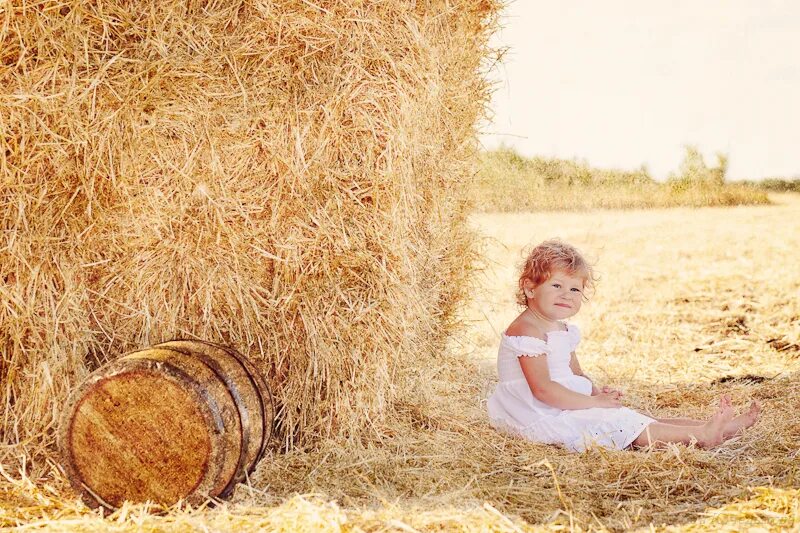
(140, 430)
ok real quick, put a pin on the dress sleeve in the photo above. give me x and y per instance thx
(527, 346)
(574, 336)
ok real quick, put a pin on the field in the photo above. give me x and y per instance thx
(691, 303)
(293, 179)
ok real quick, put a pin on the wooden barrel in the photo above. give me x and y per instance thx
(180, 420)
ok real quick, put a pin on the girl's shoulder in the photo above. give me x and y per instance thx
(530, 335)
(521, 328)
(526, 339)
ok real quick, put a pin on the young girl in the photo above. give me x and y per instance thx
(543, 394)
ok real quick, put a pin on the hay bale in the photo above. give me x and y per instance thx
(285, 177)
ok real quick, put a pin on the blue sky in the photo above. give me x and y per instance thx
(623, 83)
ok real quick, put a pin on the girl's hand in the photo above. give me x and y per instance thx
(614, 392)
(605, 399)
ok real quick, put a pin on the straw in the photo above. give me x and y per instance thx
(288, 178)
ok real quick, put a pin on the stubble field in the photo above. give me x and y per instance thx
(691, 303)
(685, 295)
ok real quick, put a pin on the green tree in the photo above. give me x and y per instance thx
(694, 171)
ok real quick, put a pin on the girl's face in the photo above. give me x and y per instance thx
(559, 297)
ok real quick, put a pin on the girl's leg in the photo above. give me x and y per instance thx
(743, 421)
(680, 421)
(707, 435)
(657, 432)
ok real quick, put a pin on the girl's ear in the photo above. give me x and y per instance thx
(527, 287)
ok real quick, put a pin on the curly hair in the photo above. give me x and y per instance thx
(549, 256)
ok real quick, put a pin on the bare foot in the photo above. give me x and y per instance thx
(713, 431)
(743, 421)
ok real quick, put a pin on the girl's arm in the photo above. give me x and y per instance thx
(548, 391)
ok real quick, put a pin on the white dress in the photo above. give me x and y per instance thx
(514, 409)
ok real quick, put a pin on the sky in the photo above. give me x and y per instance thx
(621, 83)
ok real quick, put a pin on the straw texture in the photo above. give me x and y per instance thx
(288, 178)
(687, 308)
(285, 177)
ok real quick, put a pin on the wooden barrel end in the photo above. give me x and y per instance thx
(141, 433)
(184, 420)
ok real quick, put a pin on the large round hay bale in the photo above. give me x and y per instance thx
(182, 420)
(288, 177)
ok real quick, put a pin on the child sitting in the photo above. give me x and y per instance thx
(544, 396)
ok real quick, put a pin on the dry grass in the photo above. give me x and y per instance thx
(510, 182)
(687, 298)
(286, 177)
(565, 197)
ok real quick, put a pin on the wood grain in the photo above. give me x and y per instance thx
(182, 420)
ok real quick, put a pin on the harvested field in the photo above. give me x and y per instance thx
(691, 303)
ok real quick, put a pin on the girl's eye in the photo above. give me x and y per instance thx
(556, 285)
(576, 289)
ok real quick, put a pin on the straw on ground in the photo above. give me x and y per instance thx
(687, 307)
